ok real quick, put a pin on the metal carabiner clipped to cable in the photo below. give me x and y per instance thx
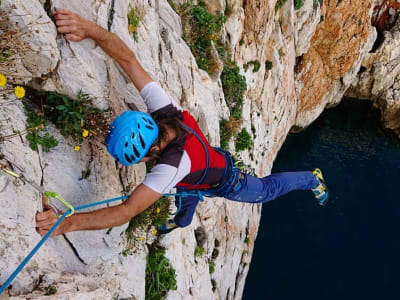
(56, 196)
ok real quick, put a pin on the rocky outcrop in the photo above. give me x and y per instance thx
(379, 77)
(308, 58)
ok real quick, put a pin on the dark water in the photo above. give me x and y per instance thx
(351, 248)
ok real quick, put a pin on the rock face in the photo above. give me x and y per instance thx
(308, 59)
(379, 78)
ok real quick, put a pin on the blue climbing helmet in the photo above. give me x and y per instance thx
(130, 136)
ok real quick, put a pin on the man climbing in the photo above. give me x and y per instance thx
(171, 138)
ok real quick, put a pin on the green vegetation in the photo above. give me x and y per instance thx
(241, 42)
(215, 253)
(160, 275)
(50, 290)
(255, 63)
(36, 137)
(199, 251)
(156, 215)
(201, 29)
(298, 4)
(268, 65)
(74, 118)
(213, 284)
(243, 141)
(279, 4)
(211, 267)
(133, 21)
(246, 240)
(71, 117)
(281, 53)
(172, 4)
(234, 86)
(224, 134)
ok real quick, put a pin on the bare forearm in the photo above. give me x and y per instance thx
(140, 199)
(117, 49)
(76, 29)
(99, 219)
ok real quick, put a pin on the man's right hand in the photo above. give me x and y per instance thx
(73, 26)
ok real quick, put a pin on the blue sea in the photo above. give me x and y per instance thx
(349, 249)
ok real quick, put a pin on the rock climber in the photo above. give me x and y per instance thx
(171, 138)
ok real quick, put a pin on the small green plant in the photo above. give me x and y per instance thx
(215, 253)
(247, 240)
(36, 137)
(199, 251)
(213, 284)
(125, 252)
(172, 4)
(298, 4)
(133, 21)
(255, 63)
(243, 141)
(241, 42)
(201, 29)
(268, 65)
(50, 290)
(234, 86)
(73, 117)
(160, 275)
(211, 267)
(226, 219)
(281, 53)
(86, 173)
(279, 4)
(155, 216)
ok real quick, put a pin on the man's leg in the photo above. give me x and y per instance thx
(188, 207)
(261, 190)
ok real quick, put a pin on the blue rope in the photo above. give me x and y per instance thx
(47, 235)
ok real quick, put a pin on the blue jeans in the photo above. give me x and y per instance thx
(250, 189)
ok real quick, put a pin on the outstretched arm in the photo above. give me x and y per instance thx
(77, 28)
(141, 198)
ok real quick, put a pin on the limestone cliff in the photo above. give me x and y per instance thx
(308, 56)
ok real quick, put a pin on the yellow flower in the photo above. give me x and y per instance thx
(77, 148)
(141, 238)
(131, 28)
(158, 210)
(85, 133)
(154, 231)
(3, 80)
(19, 91)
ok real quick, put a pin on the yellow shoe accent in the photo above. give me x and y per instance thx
(317, 172)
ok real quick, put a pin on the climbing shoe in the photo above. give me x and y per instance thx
(321, 190)
(167, 227)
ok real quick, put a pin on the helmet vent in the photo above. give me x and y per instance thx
(149, 127)
(126, 144)
(142, 141)
(128, 159)
(135, 150)
(133, 135)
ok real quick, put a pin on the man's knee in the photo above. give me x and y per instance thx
(183, 222)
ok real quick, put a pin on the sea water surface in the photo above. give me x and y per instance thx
(349, 249)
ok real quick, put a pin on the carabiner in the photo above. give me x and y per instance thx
(49, 195)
